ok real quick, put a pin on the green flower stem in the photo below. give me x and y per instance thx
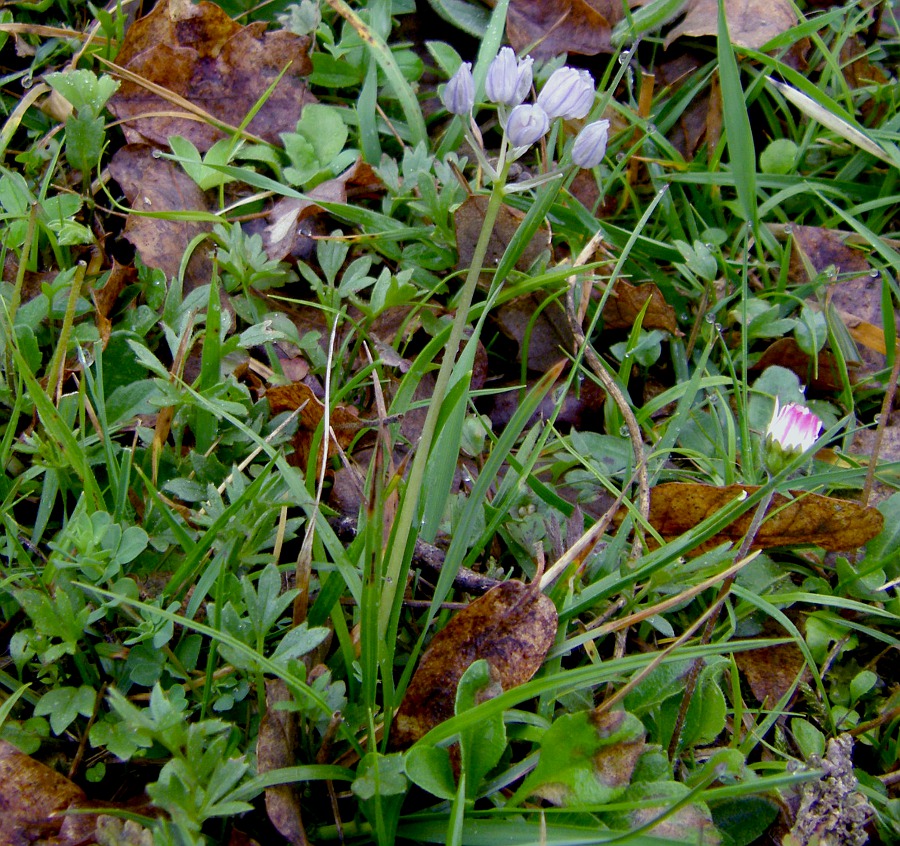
(398, 563)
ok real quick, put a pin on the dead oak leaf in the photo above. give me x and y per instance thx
(824, 521)
(200, 54)
(553, 27)
(751, 23)
(155, 185)
(626, 302)
(540, 329)
(31, 796)
(511, 627)
(469, 219)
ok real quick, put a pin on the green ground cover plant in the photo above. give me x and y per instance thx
(442, 423)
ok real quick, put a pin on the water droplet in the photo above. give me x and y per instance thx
(27, 82)
(874, 274)
(709, 246)
(651, 128)
(684, 317)
(717, 327)
(710, 318)
(623, 57)
(620, 156)
(788, 229)
(157, 154)
(623, 431)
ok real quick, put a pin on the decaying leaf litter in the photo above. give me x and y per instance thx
(256, 380)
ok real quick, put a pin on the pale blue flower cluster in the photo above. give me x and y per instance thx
(568, 94)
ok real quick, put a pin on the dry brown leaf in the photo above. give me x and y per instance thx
(625, 304)
(582, 409)
(343, 419)
(281, 236)
(833, 524)
(512, 627)
(862, 447)
(157, 185)
(105, 297)
(547, 335)
(771, 670)
(200, 54)
(275, 749)
(856, 298)
(469, 219)
(31, 794)
(751, 23)
(786, 352)
(548, 28)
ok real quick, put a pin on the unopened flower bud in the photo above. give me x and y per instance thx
(792, 431)
(508, 79)
(459, 94)
(590, 144)
(568, 94)
(526, 125)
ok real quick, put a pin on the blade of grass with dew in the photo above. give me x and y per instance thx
(840, 126)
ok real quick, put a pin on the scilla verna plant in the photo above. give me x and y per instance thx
(568, 94)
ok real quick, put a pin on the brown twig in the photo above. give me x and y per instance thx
(424, 555)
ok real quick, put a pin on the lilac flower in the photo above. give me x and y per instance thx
(526, 125)
(792, 431)
(568, 94)
(508, 78)
(590, 144)
(459, 94)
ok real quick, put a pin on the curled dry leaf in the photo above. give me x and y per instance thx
(281, 235)
(275, 749)
(105, 297)
(157, 185)
(200, 54)
(512, 627)
(833, 524)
